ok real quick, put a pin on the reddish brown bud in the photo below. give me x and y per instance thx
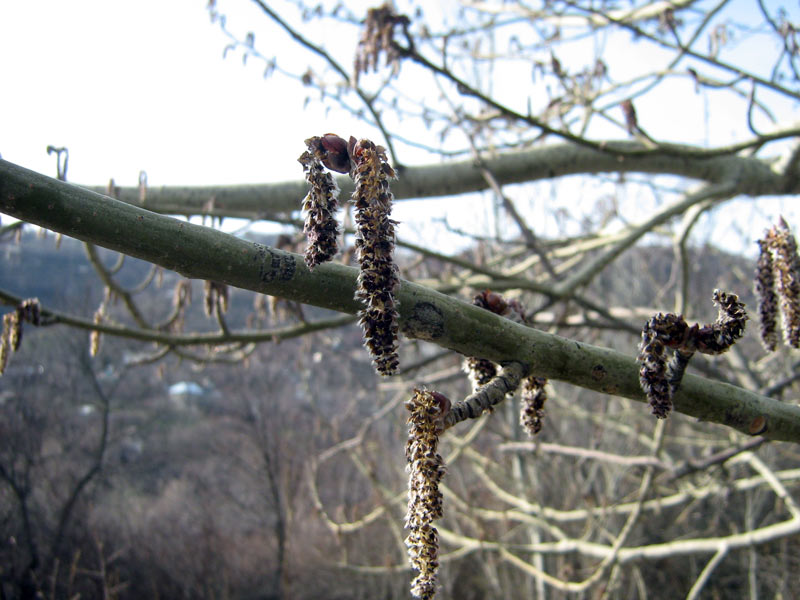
(336, 152)
(491, 301)
(758, 425)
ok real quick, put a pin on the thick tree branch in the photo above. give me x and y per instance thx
(199, 252)
(750, 175)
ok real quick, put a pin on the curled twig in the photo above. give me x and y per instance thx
(482, 371)
(660, 378)
(504, 383)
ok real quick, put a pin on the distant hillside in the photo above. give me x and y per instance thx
(60, 274)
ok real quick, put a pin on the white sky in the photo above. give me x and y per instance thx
(141, 85)
(130, 86)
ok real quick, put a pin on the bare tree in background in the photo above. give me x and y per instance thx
(510, 99)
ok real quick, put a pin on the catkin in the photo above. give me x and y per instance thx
(375, 240)
(425, 471)
(320, 205)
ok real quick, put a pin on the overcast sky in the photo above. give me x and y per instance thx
(143, 85)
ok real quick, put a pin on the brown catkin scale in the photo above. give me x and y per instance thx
(374, 243)
(767, 299)
(758, 425)
(321, 203)
(425, 471)
(533, 398)
(496, 303)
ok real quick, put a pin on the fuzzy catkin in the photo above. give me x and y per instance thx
(653, 372)
(320, 204)
(767, 299)
(374, 243)
(787, 269)
(94, 336)
(727, 329)
(425, 471)
(376, 39)
(482, 371)
(532, 399)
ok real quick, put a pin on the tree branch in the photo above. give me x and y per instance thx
(751, 175)
(202, 253)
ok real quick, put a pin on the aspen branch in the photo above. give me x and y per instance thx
(199, 252)
(751, 175)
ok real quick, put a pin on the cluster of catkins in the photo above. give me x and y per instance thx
(778, 277)
(11, 336)
(215, 298)
(660, 378)
(367, 164)
(481, 371)
(425, 470)
(377, 38)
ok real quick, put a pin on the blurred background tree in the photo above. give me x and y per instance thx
(595, 163)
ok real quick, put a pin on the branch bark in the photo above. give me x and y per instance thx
(202, 253)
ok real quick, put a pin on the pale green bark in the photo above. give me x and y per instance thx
(751, 176)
